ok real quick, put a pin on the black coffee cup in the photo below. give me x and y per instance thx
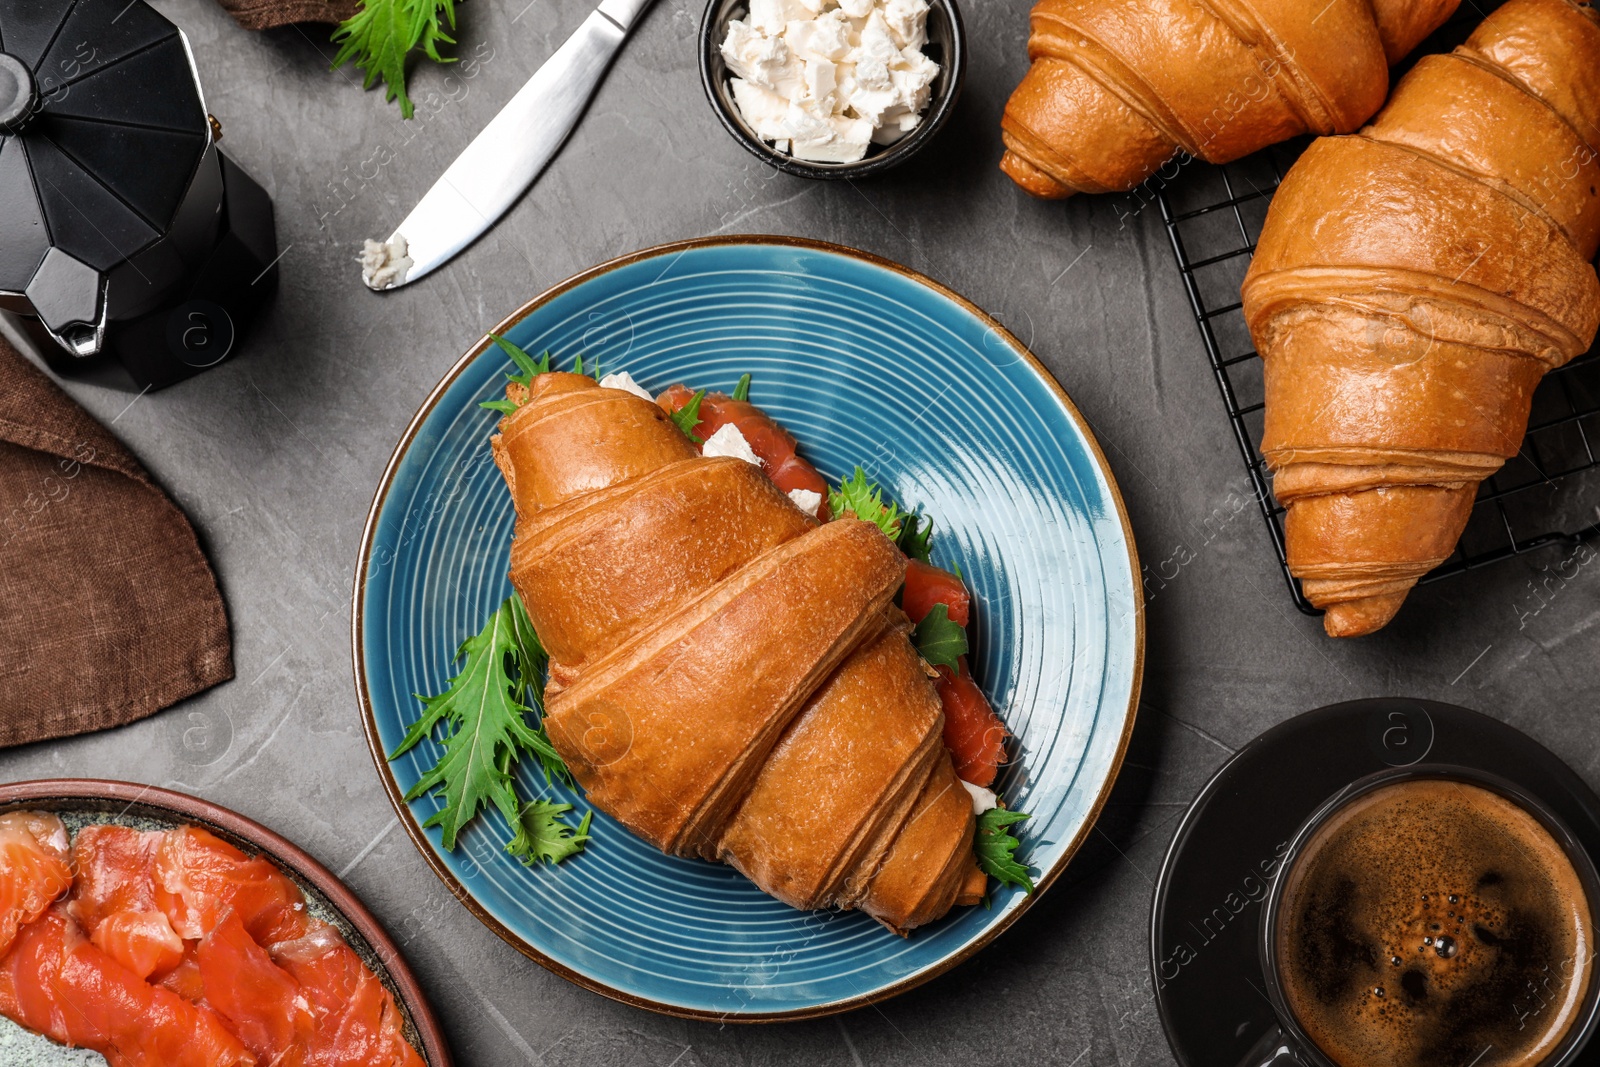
(1290, 1045)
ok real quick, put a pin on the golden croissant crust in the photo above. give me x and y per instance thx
(1118, 87)
(1412, 286)
(728, 678)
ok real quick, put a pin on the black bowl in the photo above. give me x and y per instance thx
(946, 46)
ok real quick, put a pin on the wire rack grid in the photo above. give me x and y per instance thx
(1548, 494)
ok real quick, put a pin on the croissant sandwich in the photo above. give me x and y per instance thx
(729, 678)
(1117, 87)
(1412, 286)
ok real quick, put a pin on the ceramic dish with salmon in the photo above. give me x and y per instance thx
(161, 931)
(745, 623)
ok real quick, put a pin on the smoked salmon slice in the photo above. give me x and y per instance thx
(57, 982)
(113, 866)
(142, 941)
(772, 444)
(34, 869)
(259, 1001)
(358, 1023)
(114, 898)
(283, 981)
(198, 877)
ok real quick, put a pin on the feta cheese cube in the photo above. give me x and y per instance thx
(760, 60)
(982, 799)
(907, 21)
(771, 16)
(728, 441)
(806, 500)
(623, 380)
(764, 111)
(825, 37)
(825, 79)
(822, 81)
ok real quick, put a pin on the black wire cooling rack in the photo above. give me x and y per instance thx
(1541, 497)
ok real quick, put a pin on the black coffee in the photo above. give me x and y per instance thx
(1436, 924)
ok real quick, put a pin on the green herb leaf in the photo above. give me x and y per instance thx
(916, 539)
(486, 727)
(742, 390)
(688, 416)
(940, 640)
(531, 368)
(996, 849)
(383, 33)
(532, 660)
(864, 499)
(543, 838)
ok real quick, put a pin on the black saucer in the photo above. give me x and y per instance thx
(1207, 910)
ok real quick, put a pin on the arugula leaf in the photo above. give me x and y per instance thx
(996, 849)
(916, 539)
(688, 417)
(383, 33)
(530, 368)
(577, 363)
(864, 499)
(939, 640)
(485, 723)
(742, 390)
(532, 660)
(543, 837)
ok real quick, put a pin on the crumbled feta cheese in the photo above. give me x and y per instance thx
(982, 799)
(908, 22)
(728, 441)
(385, 263)
(761, 60)
(771, 16)
(823, 80)
(765, 111)
(806, 500)
(623, 380)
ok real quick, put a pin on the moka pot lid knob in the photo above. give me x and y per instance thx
(19, 95)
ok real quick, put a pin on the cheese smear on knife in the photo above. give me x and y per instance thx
(824, 79)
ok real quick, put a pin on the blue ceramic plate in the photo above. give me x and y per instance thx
(865, 362)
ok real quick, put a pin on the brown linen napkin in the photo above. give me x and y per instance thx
(265, 14)
(108, 610)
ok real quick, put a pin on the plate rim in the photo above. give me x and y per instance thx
(413, 827)
(435, 1050)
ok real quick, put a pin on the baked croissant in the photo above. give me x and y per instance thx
(1411, 287)
(1118, 87)
(728, 678)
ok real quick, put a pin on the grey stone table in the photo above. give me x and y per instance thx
(275, 456)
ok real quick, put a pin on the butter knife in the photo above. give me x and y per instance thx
(506, 158)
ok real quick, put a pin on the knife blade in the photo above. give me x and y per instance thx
(506, 158)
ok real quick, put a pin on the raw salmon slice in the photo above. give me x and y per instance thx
(258, 999)
(113, 865)
(57, 982)
(114, 899)
(198, 877)
(142, 941)
(35, 869)
(358, 1023)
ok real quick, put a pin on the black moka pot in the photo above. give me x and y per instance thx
(131, 249)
